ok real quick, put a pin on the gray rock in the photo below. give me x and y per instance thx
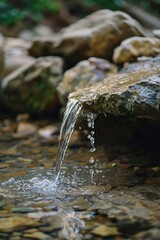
(134, 47)
(136, 94)
(144, 64)
(84, 74)
(96, 35)
(32, 88)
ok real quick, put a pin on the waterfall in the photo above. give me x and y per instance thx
(70, 117)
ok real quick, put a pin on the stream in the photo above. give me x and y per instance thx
(88, 195)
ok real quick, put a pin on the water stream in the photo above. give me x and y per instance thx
(70, 117)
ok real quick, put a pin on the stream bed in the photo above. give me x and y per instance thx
(95, 197)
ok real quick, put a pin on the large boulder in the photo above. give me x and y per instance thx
(96, 35)
(32, 87)
(134, 94)
(84, 74)
(134, 47)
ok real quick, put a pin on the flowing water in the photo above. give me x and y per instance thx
(70, 117)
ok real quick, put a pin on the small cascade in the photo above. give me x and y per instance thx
(70, 116)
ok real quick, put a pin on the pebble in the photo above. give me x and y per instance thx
(105, 231)
(11, 224)
(37, 235)
(23, 209)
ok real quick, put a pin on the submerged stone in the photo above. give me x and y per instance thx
(84, 74)
(32, 88)
(135, 94)
(134, 47)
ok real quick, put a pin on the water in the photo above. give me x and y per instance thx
(70, 117)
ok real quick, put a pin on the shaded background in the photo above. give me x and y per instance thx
(25, 14)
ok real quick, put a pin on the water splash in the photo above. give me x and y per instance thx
(90, 121)
(70, 116)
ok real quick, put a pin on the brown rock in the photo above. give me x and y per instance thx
(84, 74)
(11, 224)
(135, 47)
(135, 93)
(42, 46)
(37, 235)
(95, 35)
(105, 231)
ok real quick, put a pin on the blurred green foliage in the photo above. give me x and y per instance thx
(111, 4)
(13, 11)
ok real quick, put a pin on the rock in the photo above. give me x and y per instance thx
(37, 235)
(84, 74)
(96, 35)
(135, 47)
(147, 235)
(43, 31)
(42, 46)
(48, 131)
(32, 88)
(25, 129)
(16, 54)
(11, 224)
(136, 94)
(105, 231)
(144, 64)
(156, 33)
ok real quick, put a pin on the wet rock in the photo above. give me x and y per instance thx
(135, 94)
(37, 235)
(32, 88)
(95, 35)
(16, 223)
(135, 47)
(84, 74)
(105, 231)
(147, 235)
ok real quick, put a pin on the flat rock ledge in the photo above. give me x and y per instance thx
(136, 94)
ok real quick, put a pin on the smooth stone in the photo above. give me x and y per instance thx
(23, 209)
(11, 224)
(105, 231)
(37, 235)
(84, 74)
(134, 47)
